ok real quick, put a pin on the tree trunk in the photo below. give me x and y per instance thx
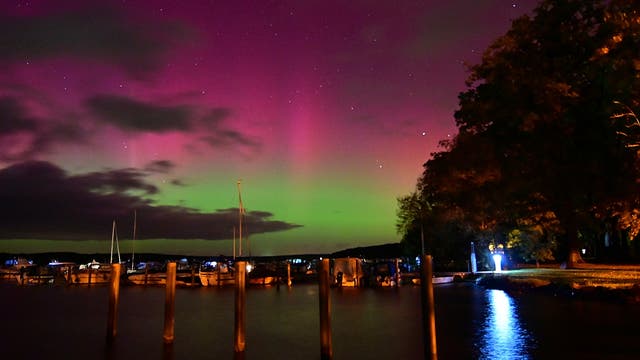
(573, 257)
(568, 218)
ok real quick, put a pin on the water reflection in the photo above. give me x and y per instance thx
(502, 335)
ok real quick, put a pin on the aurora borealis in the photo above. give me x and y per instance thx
(325, 109)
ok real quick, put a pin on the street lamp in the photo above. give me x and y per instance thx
(496, 254)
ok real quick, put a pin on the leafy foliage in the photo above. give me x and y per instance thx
(542, 131)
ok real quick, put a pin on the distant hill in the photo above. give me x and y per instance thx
(387, 251)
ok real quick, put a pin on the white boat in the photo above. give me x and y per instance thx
(147, 278)
(217, 273)
(185, 276)
(91, 273)
(96, 272)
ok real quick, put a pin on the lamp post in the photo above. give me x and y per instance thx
(496, 254)
(474, 264)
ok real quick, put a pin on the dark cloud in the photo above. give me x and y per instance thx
(133, 115)
(99, 34)
(178, 182)
(219, 136)
(13, 117)
(42, 201)
(23, 137)
(215, 117)
(160, 166)
(227, 138)
(259, 214)
(114, 181)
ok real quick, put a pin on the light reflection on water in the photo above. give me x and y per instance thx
(472, 323)
(502, 334)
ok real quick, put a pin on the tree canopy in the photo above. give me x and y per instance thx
(547, 142)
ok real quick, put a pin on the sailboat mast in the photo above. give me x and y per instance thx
(133, 249)
(240, 212)
(118, 247)
(113, 233)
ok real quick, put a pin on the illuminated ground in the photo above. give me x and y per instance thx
(588, 281)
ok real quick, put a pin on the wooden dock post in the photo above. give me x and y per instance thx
(69, 270)
(397, 272)
(170, 303)
(289, 274)
(114, 292)
(218, 274)
(240, 309)
(193, 274)
(428, 309)
(326, 351)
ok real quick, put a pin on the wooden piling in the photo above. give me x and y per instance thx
(218, 274)
(193, 275)
(114, 292)
(356, 281)
(397, 272)
(289, 274)
(240, 309)
(428, 309)
(69, 270)
(170, 303)
(326, 351)
(167, 351)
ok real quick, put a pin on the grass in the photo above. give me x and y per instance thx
(585, 275)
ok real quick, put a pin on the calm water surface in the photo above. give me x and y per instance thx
(472, 323)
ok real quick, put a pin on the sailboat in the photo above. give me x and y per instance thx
(186, 276)
(133, 269)
(219, 273)
(96, 272)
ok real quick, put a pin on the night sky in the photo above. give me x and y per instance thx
(325, 109)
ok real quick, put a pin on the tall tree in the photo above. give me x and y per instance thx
(545, 94)
(540, 126)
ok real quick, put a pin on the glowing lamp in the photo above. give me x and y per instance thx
(497, 259)
(249, 268)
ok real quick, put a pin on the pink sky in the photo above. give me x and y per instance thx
(326, 109)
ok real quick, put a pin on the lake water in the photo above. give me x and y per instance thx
(472, 323)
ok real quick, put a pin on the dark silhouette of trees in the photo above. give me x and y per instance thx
(547, 126)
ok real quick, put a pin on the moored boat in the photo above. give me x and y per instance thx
(263, 274)
(217, 273)
(91, 273)
(15, 269)
(348, 272)
(96, 272)
(151, 274)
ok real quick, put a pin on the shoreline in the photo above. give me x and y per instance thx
(622, 289)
